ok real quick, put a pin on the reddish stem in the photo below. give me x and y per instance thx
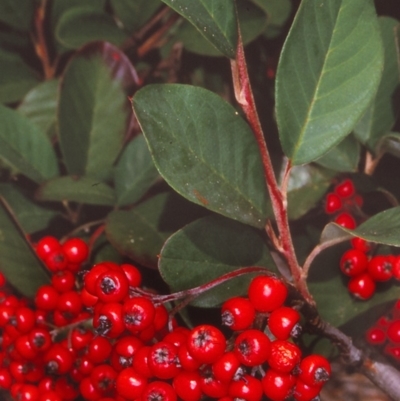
(245, 98)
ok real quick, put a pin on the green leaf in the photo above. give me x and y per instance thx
(381, 114)
(18, 14)
(390, 143)
(214, 19)
(343, 157)
(40, 105)
(81, 25)
(133, 14)
(18, 261)
(204, 150)
(135, 172)
(328, 73)
(77, 189)
(30, 216)
(208, 248)
(334, 302)
(16, 77)
(141, 232)
(25, 147)
(94, 112)
(307, 185)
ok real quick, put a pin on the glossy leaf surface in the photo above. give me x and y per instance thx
(25, 147)
(40, 105)
(18, 261)
(16, 77)
(81, 25)
(214, 19)
(135, 172)
(381, 114)
(207, 249)
(327, 75)
(204, 150)
(30, 216)
(94, 112)
(141, 232)
(77, 189)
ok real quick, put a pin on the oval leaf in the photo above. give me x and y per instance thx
(214, 19)
(208, 248)
(94, 113)
(81, 25)
(135, 172)
(141, 232)
(328, 72)
(77, 189)
(25, 147)
(18, 261)
(381, 114)
(204, 150)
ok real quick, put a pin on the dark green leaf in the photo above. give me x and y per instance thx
(94, 112)
(16, 78)
(103, 251)
(135, 172)
(18, 261)
(134, 14)
(141, 232)
(30, 216)
(343, 157)
(329, 70)
(390, 143)
(81, 25)
(25, 147)
(214, 19)
(253, 22)
(207, 249)
(381, 114)
(40, 105)
(77, 189)
(204, 150)
(307, 185)
(334, 302)
(18, 14)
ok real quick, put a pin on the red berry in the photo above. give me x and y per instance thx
(124, 351)
(63, 281)
(314, 370)
(133, 274)
(47, 245)
(226, 367)
(246, 388)
(58, 359)
(141, 361)
(353, 262)
(90, 278)
(130, 384)
(393, 331)
(2, 279)
(163, 360)
(213, 387)
(333, 203)
(187, 386)
(159, 391)
(5, 379)
(24, 319)
(76, 250)
(267, 293)
(138, 314)
(238, 313)
(252, 347)
(108, 321)
(46, 298)
(88, 391)
(69, 304)
(186, 359)
(99, 349)
(375, 336)
(380, 268)
(284, 356)
(112, 286)
(304, 392)
(360, 244)
(278, 386)
(346, 220)
(206, 343)
(345, 189)
(284, 322)
(362, 286)
(56, 261)
(103, 378)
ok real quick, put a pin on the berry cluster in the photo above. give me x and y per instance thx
(365, 270)
(385, 333)
(103, 338)
(342, 203)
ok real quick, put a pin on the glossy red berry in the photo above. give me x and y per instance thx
(163, 360)
(76, 250)
(345, 189)
(47, 245)
(238, 313)
(360, 244)
(304, 392)
(186, 359)
(40, 339)
(88, 391)
(69, 304)
(130, 384)
(393, 331)
(284, 356)
(112, 286)
(141, 361)
(56, 261)
(187, 386)
(362, 286)
(103, 378)
(267, 293)
(206, 343)
(284, 323)
(138, 314)
(58, 359)
(346, 220)
(314, 370)
(124, 351)
(380, 268)
(375, 336)
(353, 262)
(278, 386)
(99, 349)
(46, 298)
(108, 321)
(246, 388)
(333, 203)
(5, 379)
(24, 319)
(213, 387)
(226, 367)
(252, 347)
(133, 274)
(159, 391)
(63, 281)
